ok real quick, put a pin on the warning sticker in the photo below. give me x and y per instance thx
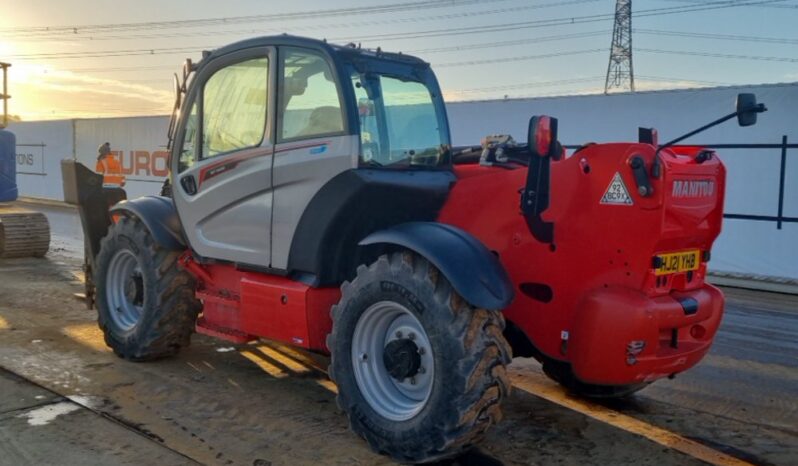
(616, 193)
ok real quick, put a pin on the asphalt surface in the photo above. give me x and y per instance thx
(66, 399)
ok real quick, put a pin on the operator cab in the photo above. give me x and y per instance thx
(391, 101)
(263, 125)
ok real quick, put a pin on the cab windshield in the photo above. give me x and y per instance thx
(399, 125)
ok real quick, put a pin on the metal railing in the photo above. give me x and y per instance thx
(779, 218)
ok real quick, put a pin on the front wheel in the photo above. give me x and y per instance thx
(420, 372)
(145, 304)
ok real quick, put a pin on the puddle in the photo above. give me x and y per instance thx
(46, 414)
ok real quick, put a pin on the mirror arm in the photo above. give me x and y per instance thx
(759, 108)
(696, 131)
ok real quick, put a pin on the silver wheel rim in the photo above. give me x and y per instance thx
(124, 289)
(380, 324)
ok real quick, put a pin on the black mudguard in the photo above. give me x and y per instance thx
(473, 270)
(159, 215)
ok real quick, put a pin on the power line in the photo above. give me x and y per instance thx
(348, 24)
(205, 22)
(702, 35)
(507, 43)
(108, 53)
(422, 34)
(563, 21)
(721, 55)
(121, 69)
(517, 58)
(509, 87)
(687, 80)
(432, 33)
(595, 79)
(791, 7)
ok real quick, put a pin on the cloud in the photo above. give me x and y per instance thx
(47, 92)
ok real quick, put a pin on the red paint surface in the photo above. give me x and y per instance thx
(242, 306)
(605, 293)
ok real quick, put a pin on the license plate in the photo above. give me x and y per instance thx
(678, 262)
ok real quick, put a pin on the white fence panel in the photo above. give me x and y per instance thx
(40, 147)
(139, 142)
(745, 246)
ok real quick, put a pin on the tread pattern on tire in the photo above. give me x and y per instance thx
(171, 308)
(481, 378)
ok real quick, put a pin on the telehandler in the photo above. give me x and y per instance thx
(316, 199)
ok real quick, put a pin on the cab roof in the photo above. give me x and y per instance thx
(349, 51)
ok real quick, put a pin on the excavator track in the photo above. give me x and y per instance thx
(23, 233)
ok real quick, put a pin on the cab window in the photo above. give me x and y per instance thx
(310, 105)
(234, 107)
(399, 124)
(188, 152)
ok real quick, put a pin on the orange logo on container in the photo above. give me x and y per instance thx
(142, 162)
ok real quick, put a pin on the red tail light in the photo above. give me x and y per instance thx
(542, 134)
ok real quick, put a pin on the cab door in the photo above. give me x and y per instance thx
(222, 161)
(314, 140)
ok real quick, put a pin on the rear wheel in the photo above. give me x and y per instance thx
(420, 372)
(145, 303)
(562, 373)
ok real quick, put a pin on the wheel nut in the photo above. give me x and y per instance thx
(411, 336)
(421, 370)
(412, 380)
(421, 351)
(398, 334)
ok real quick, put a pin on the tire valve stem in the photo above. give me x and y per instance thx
(364, 357)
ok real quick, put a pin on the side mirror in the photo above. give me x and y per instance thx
(542, 136)
(747, 108)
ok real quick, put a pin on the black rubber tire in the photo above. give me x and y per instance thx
(562, 373)
(470, 353)
(170, 308)
(89, 290)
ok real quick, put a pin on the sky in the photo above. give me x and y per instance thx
(95, 58)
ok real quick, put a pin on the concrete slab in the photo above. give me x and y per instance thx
(58, 431)
(19, 394)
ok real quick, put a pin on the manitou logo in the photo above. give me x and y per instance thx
(699, 188)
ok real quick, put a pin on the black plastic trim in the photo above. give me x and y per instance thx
(159, 215)
(354, 204)
(473, 270)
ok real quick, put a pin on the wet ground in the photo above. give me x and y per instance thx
(66, 399)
